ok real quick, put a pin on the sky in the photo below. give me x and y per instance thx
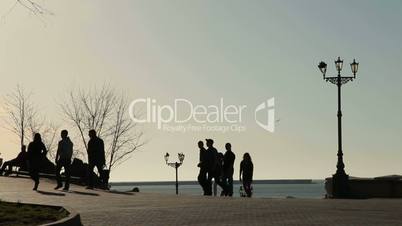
(244, 52)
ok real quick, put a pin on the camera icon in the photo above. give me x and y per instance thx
(267, 109)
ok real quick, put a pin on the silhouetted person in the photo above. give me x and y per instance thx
(246, 173)
(96, 157)
(203, 165)
(211, 161)
(63, 159)
(214, 167)
(219, 174)
(36, 154)
(228, 170)
(80, 170)
(19, 161)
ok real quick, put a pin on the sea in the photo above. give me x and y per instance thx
(261, 188)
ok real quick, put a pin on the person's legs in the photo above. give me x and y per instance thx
(249, 193)
(31, 171)
(99, 167)
(208, 184)
(34, 173)
(202, 180)
(229, 181)
(225, 183)
(214, 187)
(67, 168)
(91, 174)
(35, 178)
(247, 188)
(90, 183)
(58, 176)
(219, 181)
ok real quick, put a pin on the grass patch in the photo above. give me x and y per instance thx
(18, 214)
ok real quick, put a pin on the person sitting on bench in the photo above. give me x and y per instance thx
(19, 161)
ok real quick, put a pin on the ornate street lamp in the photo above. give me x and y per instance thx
(340, 179)
(175, 165)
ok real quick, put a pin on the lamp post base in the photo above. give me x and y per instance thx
(340, 185)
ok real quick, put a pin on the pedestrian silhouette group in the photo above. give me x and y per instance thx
(33, 159)
(218, 167)
(214, 166)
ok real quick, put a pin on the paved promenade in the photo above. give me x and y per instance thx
(98, 208)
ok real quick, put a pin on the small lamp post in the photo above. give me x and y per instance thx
(340, 179)
(175, 165)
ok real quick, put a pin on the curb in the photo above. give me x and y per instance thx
(73, 219)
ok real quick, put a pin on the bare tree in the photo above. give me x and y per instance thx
(124, 134)
(49, 134)
(34, 7)
(106, 113)
(24, 120)
(88, 110)
(47, 129)
(21, 113)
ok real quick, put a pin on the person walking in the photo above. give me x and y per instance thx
(219, 175)
(96, 157)
(63, 159)
(246, 173)
(214, 167)
(203, 165)
(211, 162)
(228, 169)
(36, 153)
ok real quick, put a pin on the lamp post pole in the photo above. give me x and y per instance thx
(340, 180)
(175, 165)
(340, 166)
(177, 178)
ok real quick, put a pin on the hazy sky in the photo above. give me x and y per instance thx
(242, 51)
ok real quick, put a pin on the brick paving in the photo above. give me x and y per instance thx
(98, 208)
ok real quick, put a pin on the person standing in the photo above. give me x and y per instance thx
(228, 170)
(246, 173)
(63, 159)
(214, 167)
(212, 160)
(96, 157)
(36, 153)
(202, 175)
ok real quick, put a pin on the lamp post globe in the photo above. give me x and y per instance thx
(181, 157)
(166, 157)
(323, 68)
(339, 64)
(354, 67)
